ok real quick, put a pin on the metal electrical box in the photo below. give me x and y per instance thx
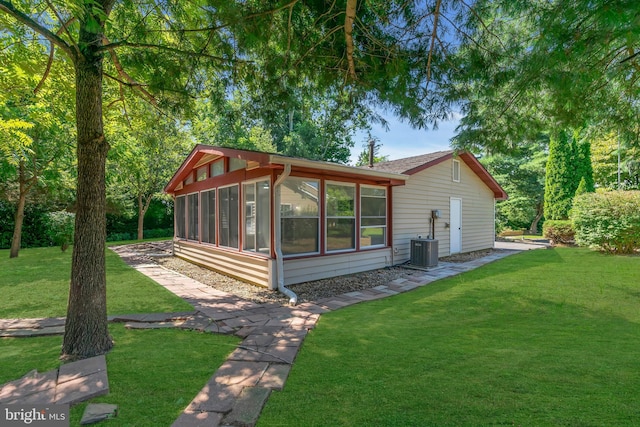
(424, 252)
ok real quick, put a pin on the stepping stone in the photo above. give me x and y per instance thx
(96, 412)
(248, 406)
(198, 419)
(275, 376)
(25, 333)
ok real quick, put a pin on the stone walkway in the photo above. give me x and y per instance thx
(272, 335)
(70, 384)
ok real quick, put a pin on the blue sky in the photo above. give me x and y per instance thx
(401, 140)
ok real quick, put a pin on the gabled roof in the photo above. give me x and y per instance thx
(415, 164)
(394, 172)
(202, 154)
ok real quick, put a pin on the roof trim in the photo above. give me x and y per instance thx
(271, 160)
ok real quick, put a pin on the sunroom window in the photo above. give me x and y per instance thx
(228, 216)
(257, 217)
(299, 216)
(192, 212)
(341, 219)
(181, 217)
(373, 216)
(208, 216)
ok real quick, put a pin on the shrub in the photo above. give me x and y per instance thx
(558, 231)
(608, 221)
(61, 226)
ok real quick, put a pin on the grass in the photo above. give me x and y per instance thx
(36, 284)
(546, 337)
(153, 374)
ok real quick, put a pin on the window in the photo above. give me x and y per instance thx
(188, 180)
(192, 211)
(228, 216)
(201, 173)
(256, 216)
(235, 164)
(180, 215)
(217, 167)
(208, 216)
(456, 170)
(299, 216)
(341, 219)
(373, 216)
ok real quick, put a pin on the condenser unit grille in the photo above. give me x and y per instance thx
(424, 252)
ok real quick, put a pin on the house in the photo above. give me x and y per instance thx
(275, 221)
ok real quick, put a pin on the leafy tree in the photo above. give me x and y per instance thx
(146, 150)
(521, 174)
(606, 148)
(372, 52)
(34, 135)
(537, 66)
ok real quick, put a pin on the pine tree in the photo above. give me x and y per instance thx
(559, 187)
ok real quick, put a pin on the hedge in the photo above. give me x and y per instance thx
(558, 231)
(608, 221)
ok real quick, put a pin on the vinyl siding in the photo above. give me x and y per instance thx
(433, 188)
(315, 268)
(251, 269)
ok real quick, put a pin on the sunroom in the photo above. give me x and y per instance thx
(274, 220)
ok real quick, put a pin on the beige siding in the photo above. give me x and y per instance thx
(248, 268)
(306, 269)
(433, 188)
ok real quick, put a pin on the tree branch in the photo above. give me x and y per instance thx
(434, 34)
(8, 8)
(350, 16)
(51, 55)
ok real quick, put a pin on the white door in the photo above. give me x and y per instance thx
(455, 226)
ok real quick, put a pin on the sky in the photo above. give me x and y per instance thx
(401, 140)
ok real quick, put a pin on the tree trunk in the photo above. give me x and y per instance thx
(143, 207)
(19, 218)
(86, 332)
(533, 229)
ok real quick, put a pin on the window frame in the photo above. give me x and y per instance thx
(229, 216)
(215, 216)
(318, 218)
(362, 227)
(196, 237)
(328, 217)
(455, 170)
(258, 223)
(183, 219)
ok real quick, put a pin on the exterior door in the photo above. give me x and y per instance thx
(455, 226)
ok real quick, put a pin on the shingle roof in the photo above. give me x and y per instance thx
(408, 164)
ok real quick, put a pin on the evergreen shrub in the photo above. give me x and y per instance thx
(559, 231)
(609, 221)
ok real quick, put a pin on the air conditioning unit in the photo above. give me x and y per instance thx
(424, 252)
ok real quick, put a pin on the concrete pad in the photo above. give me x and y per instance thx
(198, 419)
(248, 406)
(81, 389)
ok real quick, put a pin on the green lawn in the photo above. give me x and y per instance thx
(546, 337)
(36, 284)
(153, 374)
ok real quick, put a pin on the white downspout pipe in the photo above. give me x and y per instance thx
(293, 298)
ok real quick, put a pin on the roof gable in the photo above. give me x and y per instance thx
(415, 164)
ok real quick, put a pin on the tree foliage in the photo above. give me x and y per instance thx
(536, 66)
(569, 163)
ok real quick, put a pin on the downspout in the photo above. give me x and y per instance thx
(293, 298)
